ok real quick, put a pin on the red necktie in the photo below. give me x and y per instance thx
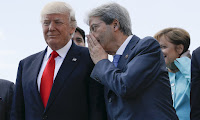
(47, 78)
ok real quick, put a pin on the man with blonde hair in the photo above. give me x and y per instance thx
(54, 84)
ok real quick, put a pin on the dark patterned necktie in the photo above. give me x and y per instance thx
(116, 59)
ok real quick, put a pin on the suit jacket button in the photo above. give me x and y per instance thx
(97, 79)
(110, 100)
(45, 117)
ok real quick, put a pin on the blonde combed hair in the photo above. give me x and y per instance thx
(60, 8)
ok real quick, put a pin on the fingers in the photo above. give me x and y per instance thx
(97, 53)
(90, 41)
(94, 40)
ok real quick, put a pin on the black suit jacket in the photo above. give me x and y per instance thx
(195, 85)
(6, 94)
(72, 97)
(138, 88)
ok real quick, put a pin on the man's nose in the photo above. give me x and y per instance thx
(51, 26)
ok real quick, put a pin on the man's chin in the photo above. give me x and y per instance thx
(110, 53)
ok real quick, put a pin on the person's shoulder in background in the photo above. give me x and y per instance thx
(6, 94)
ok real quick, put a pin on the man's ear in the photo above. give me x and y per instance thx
(72, 31)
(116, 25)
(179, 49)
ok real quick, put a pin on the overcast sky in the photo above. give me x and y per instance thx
(21, 31)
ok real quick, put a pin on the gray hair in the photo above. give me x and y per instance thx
(60, 8)
(110, 12)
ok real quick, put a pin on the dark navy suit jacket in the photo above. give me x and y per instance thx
(74, 95)
(139, 88)
(6, 95)
(195, 85)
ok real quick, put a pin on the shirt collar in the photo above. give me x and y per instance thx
(123, 46)
(62, 52)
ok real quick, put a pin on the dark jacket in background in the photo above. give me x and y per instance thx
(6, 93)
(195, 85)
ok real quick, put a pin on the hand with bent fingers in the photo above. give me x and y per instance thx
(97, 52)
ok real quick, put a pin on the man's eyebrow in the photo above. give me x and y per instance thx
(46, 20)
(58, 20)
(78, 38)
(94, 24)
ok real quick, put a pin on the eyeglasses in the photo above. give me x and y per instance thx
(94, 27)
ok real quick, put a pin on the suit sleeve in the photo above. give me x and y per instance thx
(97, 110)
(141, 70)
(18, 107)
(195, 86)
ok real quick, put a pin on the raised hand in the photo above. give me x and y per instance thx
(97, 52)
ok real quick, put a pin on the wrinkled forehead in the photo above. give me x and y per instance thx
(55, 17)
(94, 20)
(44, 13)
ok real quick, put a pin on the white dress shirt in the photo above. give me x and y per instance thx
(123, 46)
(58, 61)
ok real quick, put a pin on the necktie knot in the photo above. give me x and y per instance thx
(54, 54)
(116, 59)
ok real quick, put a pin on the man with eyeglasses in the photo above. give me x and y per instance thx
(136, 82)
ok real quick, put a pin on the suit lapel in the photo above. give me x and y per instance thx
(34, 71)
(125, 56)
(69, 64)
